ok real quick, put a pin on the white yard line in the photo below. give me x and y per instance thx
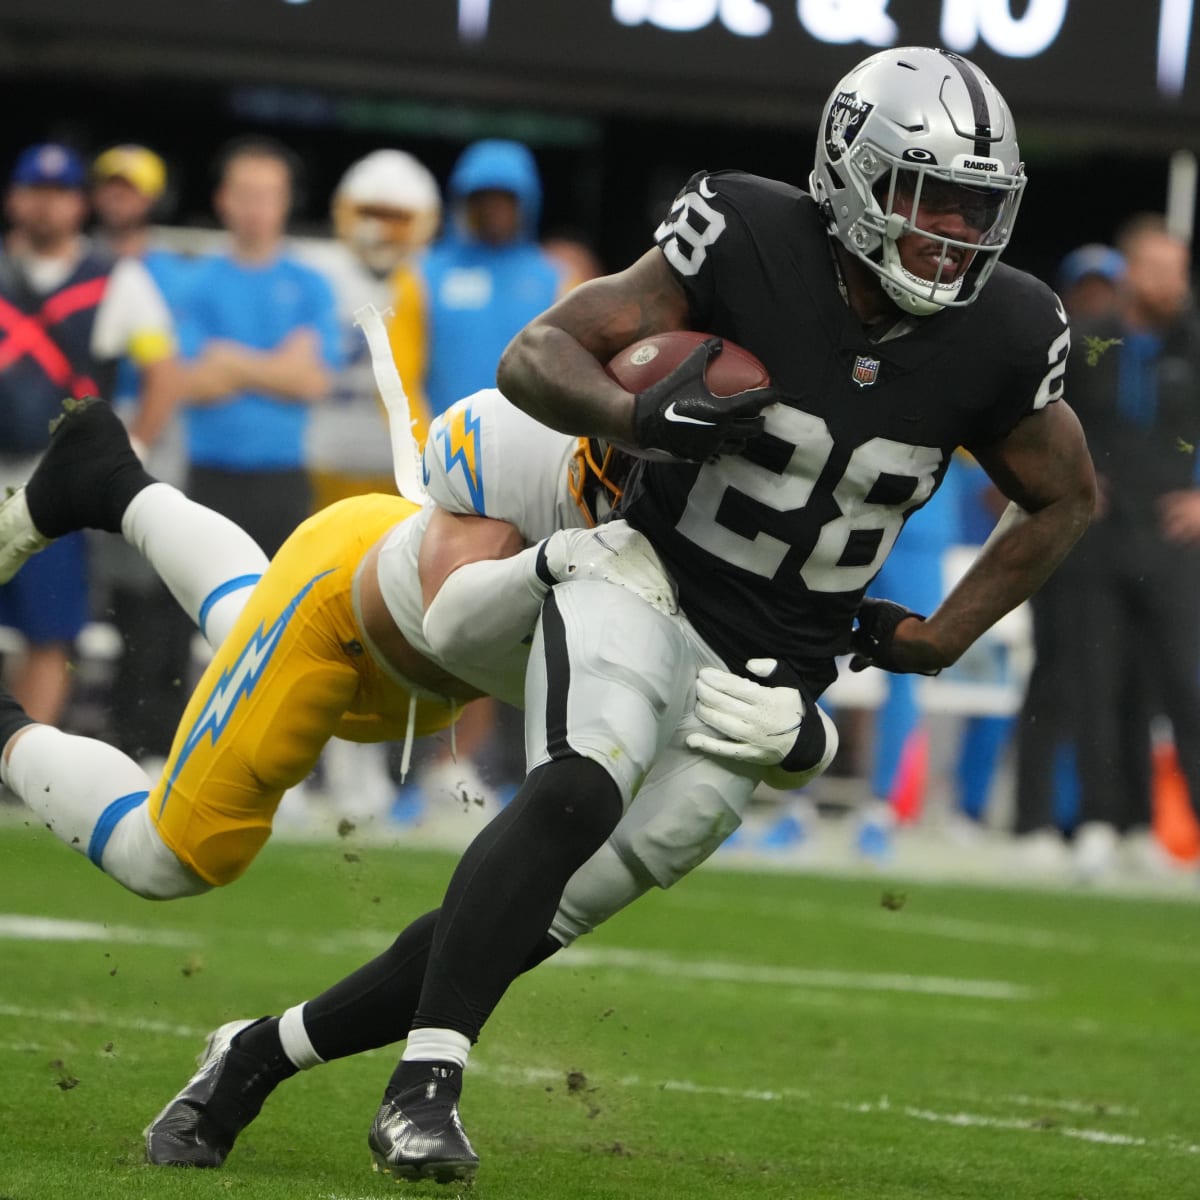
(15, 927)
(970, 1120)
(76, 1017)
(960, 1119)
(601, 957)
(964, 929)
(1084, 1107)
(798, 977)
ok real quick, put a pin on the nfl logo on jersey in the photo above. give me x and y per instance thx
(865, 370)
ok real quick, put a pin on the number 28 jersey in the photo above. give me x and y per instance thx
(773, 548)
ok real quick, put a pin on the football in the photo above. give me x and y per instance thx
(644, 363)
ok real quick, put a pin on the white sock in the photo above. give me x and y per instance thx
(294, 1037)
(208, 563)
(69, 781)
(437, 1045)
(93, 798)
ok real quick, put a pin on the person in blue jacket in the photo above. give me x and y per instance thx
(487, 277)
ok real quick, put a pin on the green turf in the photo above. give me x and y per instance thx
(704, 1064)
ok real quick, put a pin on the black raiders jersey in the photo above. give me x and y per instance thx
(773, 548)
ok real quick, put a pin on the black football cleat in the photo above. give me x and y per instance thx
(417, 1134)
(84, 480)
(200, 1125)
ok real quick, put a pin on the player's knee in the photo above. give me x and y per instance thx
(138, 859)
(576, 795)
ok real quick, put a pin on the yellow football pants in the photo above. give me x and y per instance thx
(293, 672)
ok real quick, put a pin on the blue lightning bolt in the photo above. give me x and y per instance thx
(236, 682)
(462, 443)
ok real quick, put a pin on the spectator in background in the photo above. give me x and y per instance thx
(575, 255)
(149, 686)
(67, 314)
(487, 276)
(1134, 379)
(386, 209)
(261, 341)
(1088, 280)
(911, 575)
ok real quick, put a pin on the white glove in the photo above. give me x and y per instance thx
(760, 724)
(614, 552)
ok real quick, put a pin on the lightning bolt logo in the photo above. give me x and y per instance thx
(462, 443)
(235, 683)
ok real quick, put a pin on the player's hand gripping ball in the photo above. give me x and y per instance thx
(696, 396)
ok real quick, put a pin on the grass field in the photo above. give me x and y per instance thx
(744, 1035)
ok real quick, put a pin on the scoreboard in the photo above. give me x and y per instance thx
(1069, 61)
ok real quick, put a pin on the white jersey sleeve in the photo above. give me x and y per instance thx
(133, 319)
(487, 457)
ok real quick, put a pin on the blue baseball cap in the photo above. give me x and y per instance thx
(1092, 259)
(49, 165)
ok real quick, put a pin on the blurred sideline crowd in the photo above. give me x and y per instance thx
(1071, 733)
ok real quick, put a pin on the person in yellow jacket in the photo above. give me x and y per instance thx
(386, 209)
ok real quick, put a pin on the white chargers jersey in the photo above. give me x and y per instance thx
(485, 457)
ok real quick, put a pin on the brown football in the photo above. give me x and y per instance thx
(644, 363)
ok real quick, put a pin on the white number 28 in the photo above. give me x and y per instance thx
(791, 489)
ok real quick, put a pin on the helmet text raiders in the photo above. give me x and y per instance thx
(922, 131)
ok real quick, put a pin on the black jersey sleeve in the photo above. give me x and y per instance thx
(697, 220)
(1027, 344)
(714, 227)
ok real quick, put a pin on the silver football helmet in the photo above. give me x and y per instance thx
(927, 129)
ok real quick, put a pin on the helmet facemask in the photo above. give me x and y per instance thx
(596, 478)
(988, 207)
(382, 237)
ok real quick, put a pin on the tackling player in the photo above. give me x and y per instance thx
(377, 619)
(892, 335)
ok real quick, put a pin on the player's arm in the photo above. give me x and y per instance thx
(481, 588)
(553, 368)
(157, 398)
(293, 370)
(1044, 469)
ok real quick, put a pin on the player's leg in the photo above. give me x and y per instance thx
(90, 478)
(294, 664)
(609, 679)
(682, 812)
(274, 692)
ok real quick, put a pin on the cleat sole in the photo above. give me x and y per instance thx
(426, 1172)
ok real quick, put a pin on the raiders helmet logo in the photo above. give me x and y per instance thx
(846, 115)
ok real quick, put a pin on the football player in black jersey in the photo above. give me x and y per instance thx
(893, 335)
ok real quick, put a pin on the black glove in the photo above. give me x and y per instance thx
(679, 416)
(871, 639)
